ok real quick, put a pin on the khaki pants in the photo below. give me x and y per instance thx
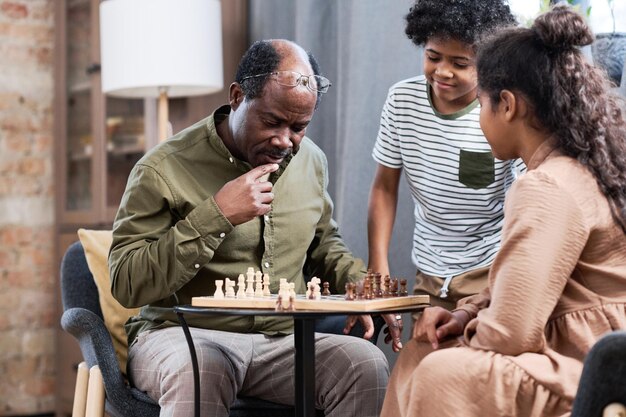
(351, 373)
(461, 286)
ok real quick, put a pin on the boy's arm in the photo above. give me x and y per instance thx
(381, 216)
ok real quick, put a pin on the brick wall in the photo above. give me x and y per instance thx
(27, 266)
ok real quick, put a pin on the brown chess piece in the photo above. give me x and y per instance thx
(403, 292)
(326, 290)
(394, 287)
(279, 304)
(378, 290)
(350, 291)
(386, 285)
(291, 306)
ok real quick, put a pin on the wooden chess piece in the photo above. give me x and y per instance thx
(378, 291)
(350, 291)
(279, 303)
(266, 285)
(241, 286)
(258, 287)
(386, 285)
(394, 287)
(291, 306)
(230, 288)
(250, 283)
(367, 289)
(326, 291)
(218, 289)
(403, 292)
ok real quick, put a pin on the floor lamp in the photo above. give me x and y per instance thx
(160, 49)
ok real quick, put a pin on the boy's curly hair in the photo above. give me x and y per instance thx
(462, 20)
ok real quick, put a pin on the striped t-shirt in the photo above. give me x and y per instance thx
(457, 185)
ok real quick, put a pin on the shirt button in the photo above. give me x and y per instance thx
(231, 159)
(196, 266)
(222, 234)
(267, 218)
(267, 264)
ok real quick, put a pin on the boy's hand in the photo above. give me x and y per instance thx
(247, 196)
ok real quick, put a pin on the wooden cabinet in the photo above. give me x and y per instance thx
(98, 139)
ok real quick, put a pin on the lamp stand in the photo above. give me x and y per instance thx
(163, 114)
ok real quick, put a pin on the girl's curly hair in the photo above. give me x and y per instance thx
(570, 98)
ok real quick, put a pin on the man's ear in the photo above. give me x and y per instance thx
(235, 95)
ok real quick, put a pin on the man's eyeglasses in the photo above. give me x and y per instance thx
(315, 83)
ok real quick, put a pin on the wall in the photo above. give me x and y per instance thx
(27, 275)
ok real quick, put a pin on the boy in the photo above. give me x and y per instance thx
(430, 129)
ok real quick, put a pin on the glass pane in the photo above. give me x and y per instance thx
(79, 134)
(126, 143)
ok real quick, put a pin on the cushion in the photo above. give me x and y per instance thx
(96, 244)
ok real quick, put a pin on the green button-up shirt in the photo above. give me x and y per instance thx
(171, 241)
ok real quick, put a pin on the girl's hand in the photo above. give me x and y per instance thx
(436, 324)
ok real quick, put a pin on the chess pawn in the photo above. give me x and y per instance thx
(291, 306)
(350, 291)
(317, 293)
(241, 286)
(310, 291)
(258, 289)
(218, 289)
(292, 290)
(326, 291)
(386, 283)
(403, 292)
(279, 303)
(282, 287)
(230, 290)
(266, 285)
(367, 289)
(394, 287)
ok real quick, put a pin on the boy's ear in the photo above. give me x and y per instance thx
(235, 95)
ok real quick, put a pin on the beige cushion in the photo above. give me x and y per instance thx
(97, 244)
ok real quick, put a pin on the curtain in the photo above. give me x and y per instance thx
(361, 47)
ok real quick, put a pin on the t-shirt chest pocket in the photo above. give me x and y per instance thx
(476, 168)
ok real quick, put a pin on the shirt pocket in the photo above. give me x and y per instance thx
(476, 169)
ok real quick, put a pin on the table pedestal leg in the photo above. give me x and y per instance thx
(194, 364)
(304, 335)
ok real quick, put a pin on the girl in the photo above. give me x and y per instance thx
(558, 282)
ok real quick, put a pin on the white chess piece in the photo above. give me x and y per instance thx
(266, 285)
(218, 289)
(241, 286)
(282, 288)
(250, 283)
(292, 290)
(230, 288)
(258, 288)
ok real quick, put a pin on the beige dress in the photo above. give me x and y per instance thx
(557, 285)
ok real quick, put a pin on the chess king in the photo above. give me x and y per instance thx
(242, 187)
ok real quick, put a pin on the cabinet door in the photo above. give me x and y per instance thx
(78, 158)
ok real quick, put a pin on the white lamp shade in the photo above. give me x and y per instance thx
(147, 45)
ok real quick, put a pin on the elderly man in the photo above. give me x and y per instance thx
(201, 207)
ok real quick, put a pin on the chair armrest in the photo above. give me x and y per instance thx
(97, 349)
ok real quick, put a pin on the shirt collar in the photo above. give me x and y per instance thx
(543, 152)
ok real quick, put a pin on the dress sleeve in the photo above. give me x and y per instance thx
(154, 253)
(542, 239)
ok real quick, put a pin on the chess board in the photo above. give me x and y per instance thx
(327, 303)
